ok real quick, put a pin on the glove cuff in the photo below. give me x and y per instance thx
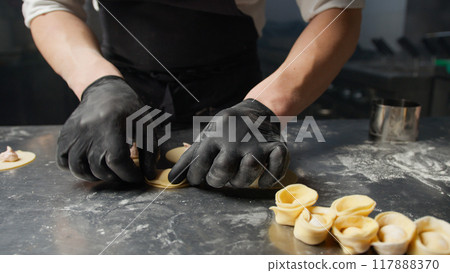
(261, 109)
(257, 109)
(100, 81)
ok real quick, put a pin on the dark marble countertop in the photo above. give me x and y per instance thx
(44, 210)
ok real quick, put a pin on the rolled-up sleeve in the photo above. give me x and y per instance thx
(310, 8)
(33, 8)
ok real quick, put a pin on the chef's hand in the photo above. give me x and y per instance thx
(221, 159)
(92, 142)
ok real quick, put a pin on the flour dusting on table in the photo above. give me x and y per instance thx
(384, 162)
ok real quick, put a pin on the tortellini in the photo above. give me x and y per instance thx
(291, 201)
(432, 237)
(395, 233)
(313, 224)
(390, 233)
(355, 233)
(353, 205)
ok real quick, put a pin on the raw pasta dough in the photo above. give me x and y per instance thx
(432, 237)
(389, 233)
(162, 181)
(291, 201)
(395, 233)
(313, 224)
(162, 176)
(355, 233)
(353, 205)
(24, 159)
(175, 154)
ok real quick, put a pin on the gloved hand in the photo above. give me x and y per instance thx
(92, 142)
(221, 159)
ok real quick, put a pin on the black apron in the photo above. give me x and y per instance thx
(209, 45)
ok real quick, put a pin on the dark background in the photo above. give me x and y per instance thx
(31, 93)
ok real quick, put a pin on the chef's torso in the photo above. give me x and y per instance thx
(180, 34)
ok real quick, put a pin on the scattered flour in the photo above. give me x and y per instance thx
(141, 227)
(15, 133)
(418, 160)
(253, 218)
(101, 231)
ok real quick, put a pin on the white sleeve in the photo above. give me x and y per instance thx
(310, 8)
(33, 8)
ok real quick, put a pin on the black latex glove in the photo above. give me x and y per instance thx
(92, 142)
(218, 160)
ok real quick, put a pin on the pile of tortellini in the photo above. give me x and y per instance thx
(389, 233)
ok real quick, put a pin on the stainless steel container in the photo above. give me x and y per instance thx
(394, 120)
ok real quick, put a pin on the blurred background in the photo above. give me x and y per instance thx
(403, 52)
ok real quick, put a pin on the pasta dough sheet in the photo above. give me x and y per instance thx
(162, 181)
(24, 159)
